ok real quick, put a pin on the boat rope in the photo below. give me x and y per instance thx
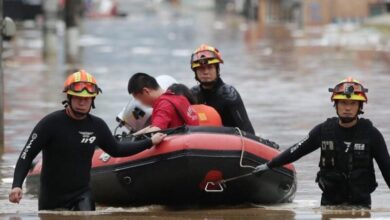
(222, 183)
(242, 150)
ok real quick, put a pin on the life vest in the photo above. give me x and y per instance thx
(182, 107)
(207, 115)
(347, 167)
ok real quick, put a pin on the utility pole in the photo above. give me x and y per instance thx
(50, 42)
(8, 29)
(73, 9)
(262, 13)
(1, 81)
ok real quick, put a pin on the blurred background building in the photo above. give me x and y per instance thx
(320, 12)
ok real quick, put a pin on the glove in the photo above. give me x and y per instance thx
(260, 168)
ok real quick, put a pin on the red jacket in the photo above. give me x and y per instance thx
(171, 110)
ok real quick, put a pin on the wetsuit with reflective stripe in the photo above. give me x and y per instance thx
(228, 103)
(67, 147)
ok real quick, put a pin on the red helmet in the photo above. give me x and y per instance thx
(81, 84)
(349, 89)
(205, 54)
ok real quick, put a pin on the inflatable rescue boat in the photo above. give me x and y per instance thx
(192, 166)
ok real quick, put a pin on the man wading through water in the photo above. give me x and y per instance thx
(67, 139)
(348, 146)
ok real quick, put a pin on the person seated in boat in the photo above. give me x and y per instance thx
(348, 146)
(169, 110)
(207, 115)
(214, 92)
(67, 139)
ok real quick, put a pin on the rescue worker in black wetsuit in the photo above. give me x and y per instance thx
(214, 92)
(67, 139)
(348, 146)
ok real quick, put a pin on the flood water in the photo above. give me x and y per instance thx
(282, 75)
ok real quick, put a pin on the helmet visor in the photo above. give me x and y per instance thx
(202, 55)
(80, 86)
(349, 88)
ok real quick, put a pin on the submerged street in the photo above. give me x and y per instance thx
(282, 74)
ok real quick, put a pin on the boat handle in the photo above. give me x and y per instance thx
(206, 188)
(127, 180)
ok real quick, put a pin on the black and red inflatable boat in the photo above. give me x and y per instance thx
(189, 168)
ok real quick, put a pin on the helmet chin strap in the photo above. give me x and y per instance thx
(207, 84)
(210, 83)
(67, 103)
(78, 113)
(349, 119)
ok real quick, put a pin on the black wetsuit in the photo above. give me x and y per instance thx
(315, 140)
(67, 148)
(228, 103)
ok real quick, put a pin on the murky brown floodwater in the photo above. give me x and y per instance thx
(282, 77)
